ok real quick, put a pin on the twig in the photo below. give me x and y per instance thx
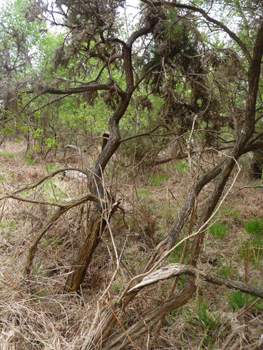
(120, 324)
(249, 307)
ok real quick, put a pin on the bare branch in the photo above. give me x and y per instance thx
(173, 270)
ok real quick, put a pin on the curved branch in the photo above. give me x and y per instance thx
(67, 206)
(68, 202)
(76, 90)
(47, 177)
(149, 133)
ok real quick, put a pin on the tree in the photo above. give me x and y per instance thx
(209, 90)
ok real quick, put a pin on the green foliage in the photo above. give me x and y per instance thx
(231, 213)
(204, 319)
(254, 227)
(237, 300)
(53, 242)
(181, 167)
(226, 270)
(157, 180)
(7, 154)
(23, 39)
(116, 287)
(219, 229)
(143, 192)
(52, 190)
(51, 167)
(7, 226)
(175, 255)
(201, 317)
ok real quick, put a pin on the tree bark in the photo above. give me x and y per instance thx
(96, 229)
(96, 184)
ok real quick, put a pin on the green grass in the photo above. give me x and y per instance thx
(255, 228)
(7, 226)
(51, 167)
(201, 318)
(205, 320)
(237, 300)
(157, 180)
(181, 167)
(115, 287)
(143, 192)
(175, 255)
(7, 154)
(226, 271)
(231, 213)
(219, 229)
(30, 161)
(48, 188)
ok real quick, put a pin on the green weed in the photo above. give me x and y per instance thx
(51, 167)
(206, 320)
(52, 189)
(231, 213)
(253, 226)
(30, 161)
(202, 318)
(7, 154)
(226, 270)
(116, 287)
(143, 192)
(157, 180)
(175, 255)
(7, 227)
(53, 242)
(237, 300)
(219, 229)
(181, 167)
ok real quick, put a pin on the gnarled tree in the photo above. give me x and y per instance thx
(205, 90)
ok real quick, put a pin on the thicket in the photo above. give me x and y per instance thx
(181, 83)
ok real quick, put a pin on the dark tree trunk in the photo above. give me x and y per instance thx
(96, 229)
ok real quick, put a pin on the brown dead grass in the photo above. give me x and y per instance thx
(34, 312)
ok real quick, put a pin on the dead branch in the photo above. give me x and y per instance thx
(63, 208)
(43, 179)
(173, 270)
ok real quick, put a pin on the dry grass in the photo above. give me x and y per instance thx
(36, 314)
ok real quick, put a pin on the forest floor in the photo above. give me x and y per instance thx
(36, 314)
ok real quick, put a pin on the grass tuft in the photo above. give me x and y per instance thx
(219, 229)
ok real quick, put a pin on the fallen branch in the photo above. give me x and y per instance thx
(173, 270)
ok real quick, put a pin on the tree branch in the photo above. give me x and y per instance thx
(173, 270)
(76, 90)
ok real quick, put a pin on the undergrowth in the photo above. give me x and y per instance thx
(36, 314)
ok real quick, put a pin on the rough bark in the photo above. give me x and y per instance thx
(96, 185)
